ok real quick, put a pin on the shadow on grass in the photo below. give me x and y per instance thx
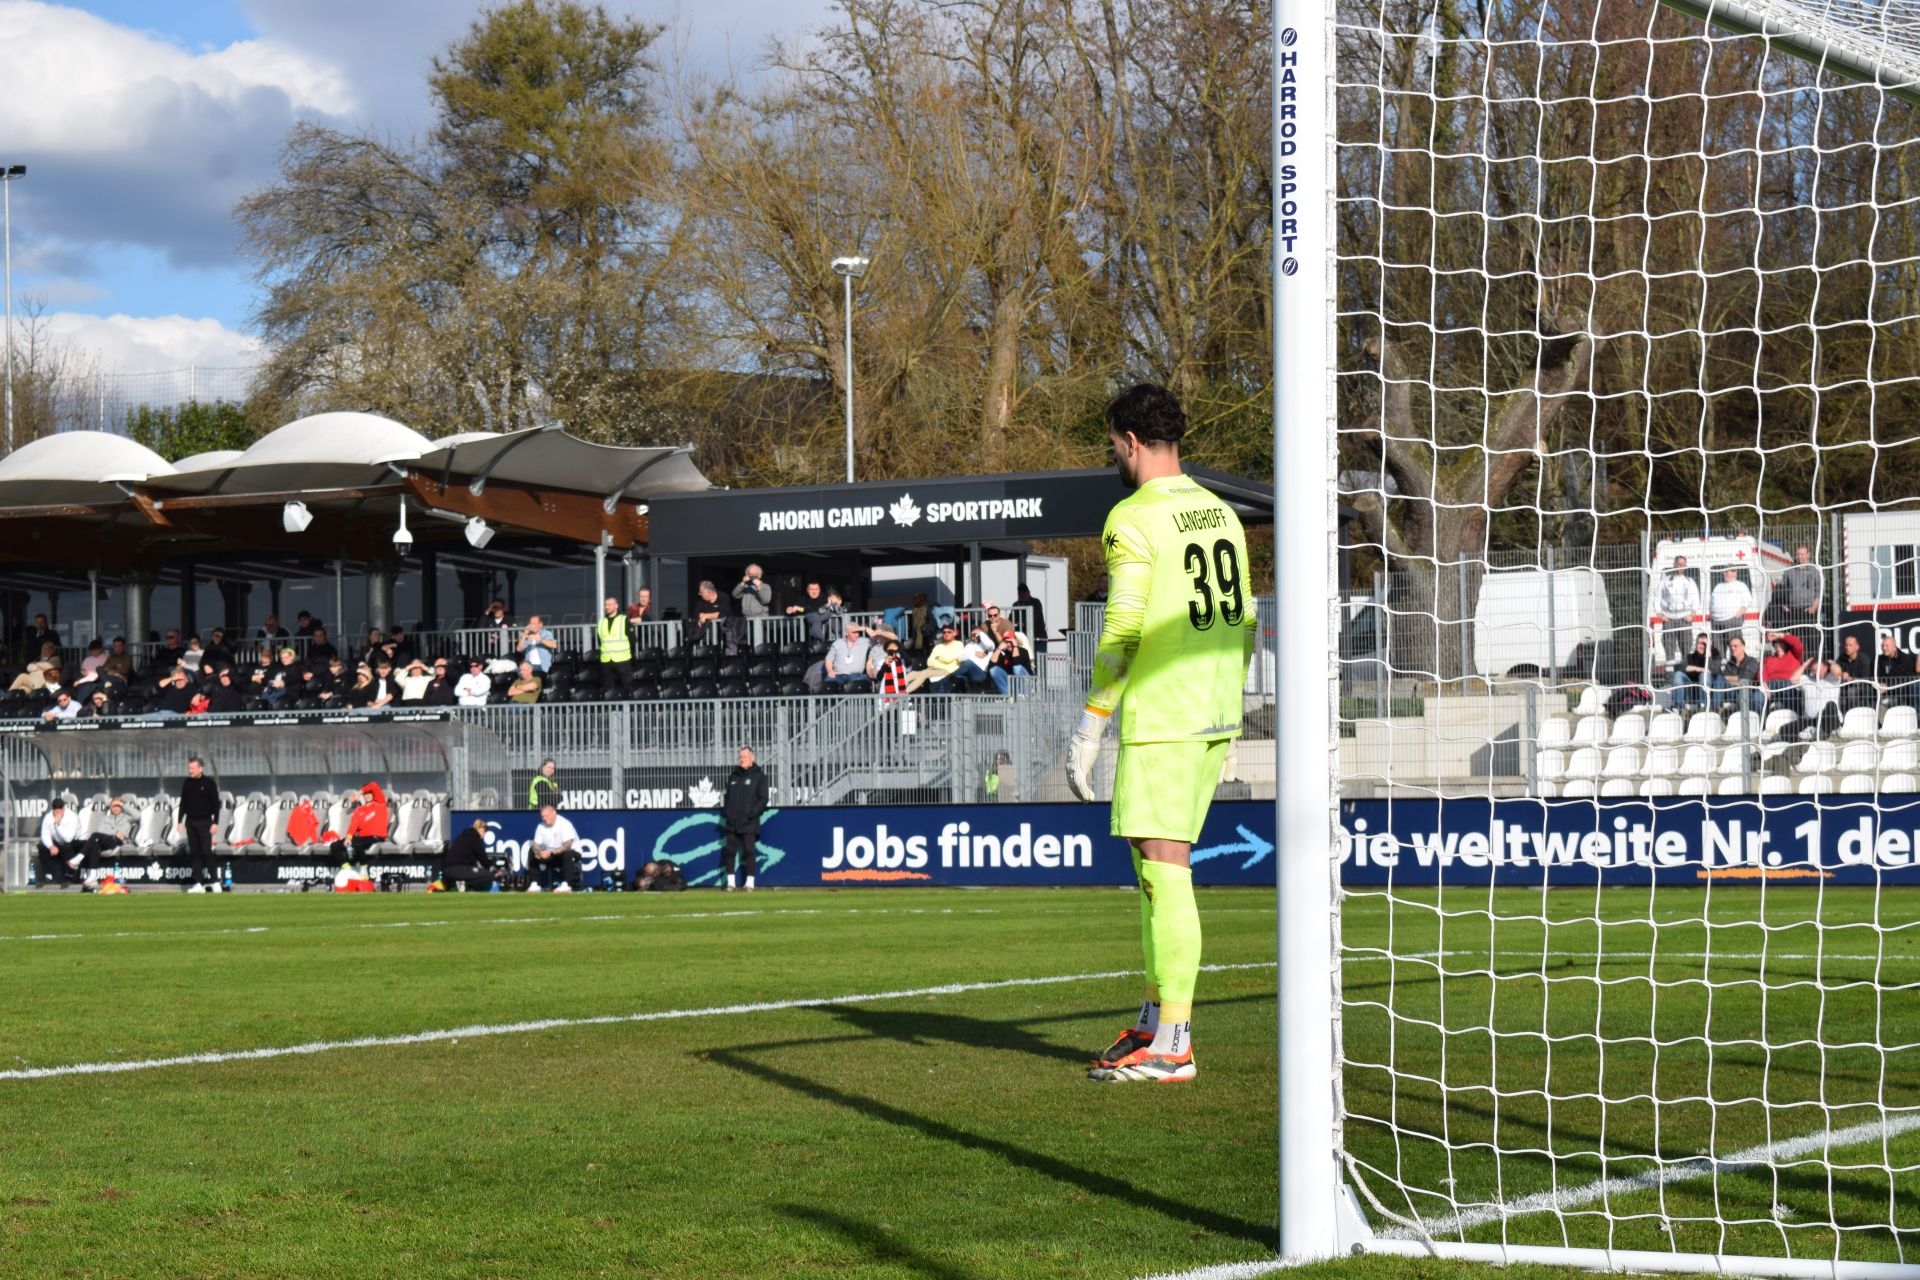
(877, 1244)
(1092, 1181)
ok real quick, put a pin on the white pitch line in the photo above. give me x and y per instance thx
(555, 919)
(1547, 1201)
(1684, 1171)
(482, 1030)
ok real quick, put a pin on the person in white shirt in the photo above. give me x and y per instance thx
(1676, 600)
(471, 689)
(63, 708)
(553, 847)
(1728, 606)
(60, 855)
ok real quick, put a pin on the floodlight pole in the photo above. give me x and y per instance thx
(8, 174)
(847, 269)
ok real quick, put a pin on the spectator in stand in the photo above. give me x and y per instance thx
(536, 645)
(218, 652)
(440, 688)
(943, 660)
(168, 655)
(615, 644)
(198, 706)
(527, 688)
(919, 623)
(366, 827)
(1858, 687)
(753, 598)
(42, 634)
(1099, 593)
(1010, 657)
(1736, 682)
(330, 684)
(193, 656)
(376, 648)
(472, 689)
(847, 658)
(496, 616)
(319, 648)
(271, 630)
(113, 833)
(1677, 601)
(285, 679)
(641, 610)
(808, 608)
(1728, 607)
(981, 647)
(1820, 696)
(544, 792)
(1687, 682)
(827, 624)
(199, 821)
(119, 663)
(34, 678)
(60, 851)
(468, 865)
(413, 683)
(1783, 671)
(740, 813)
(99, 706)
(399, 648)
(176, 695)
(63, 708)
(228, 697)
(553, 841)
(890, 673)
(1797, 603)
(91, 664)
(714, 621)
(1896, 672)
(360, 694)
(1025, 598)
(386, 686)
(305, 624)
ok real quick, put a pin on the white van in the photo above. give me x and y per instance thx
(1518, 631)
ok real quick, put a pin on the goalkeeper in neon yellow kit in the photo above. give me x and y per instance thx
(1179, 630)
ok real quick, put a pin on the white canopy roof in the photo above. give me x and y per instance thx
(549, 458)
(327, 450)
(76, 466)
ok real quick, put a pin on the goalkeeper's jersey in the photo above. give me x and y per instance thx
(1180, 620)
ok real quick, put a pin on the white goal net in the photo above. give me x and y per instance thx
(1616, 358)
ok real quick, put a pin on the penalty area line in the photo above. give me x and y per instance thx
(481, 1030)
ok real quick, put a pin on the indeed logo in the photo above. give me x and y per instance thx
(959, 846)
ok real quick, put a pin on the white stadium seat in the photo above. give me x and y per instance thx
(1617, 787)
(1662, 786)
(1556, 731)
(1775, 785)
(1549, 765)
(1666, 726)
(1704, 726)
(1661, 762)
(1857, 784)
(1900, 757)
(1777, 721)
(1579, 787)
(1593, 702)
(1697, 762)
(1629, 729)
(1815, 784)
(1902, 783)
(1858, 757)
(1900, 722)
(1741, 726)
(1731, 785)
(1591, 732)
(1819, 757)
(1584, 763)
(1860, 722)
(1694, 786)
(1622, 762)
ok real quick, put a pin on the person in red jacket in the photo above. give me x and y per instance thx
(1782, 671)
(366, 828)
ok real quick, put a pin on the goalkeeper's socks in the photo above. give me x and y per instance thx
(1149, 1017)
(1175, 1035)
(1174, 927)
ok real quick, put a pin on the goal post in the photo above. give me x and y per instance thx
(1574, 968)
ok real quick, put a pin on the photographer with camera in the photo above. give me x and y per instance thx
(536, 645)
(468, 865)
(754, 599)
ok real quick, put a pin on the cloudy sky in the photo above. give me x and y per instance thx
(141, 122)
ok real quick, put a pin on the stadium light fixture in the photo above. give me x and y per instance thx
(294, 517)
(847, 269)
(479, 533)
(402, 539)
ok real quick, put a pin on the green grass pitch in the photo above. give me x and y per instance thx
(939, 1135)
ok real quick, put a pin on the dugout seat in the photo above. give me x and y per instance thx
(240, 828)
(273, 825)
(155, 828)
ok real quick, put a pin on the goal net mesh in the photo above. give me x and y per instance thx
(1628, 965)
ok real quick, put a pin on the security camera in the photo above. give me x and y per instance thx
(402, 540)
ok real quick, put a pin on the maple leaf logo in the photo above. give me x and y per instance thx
(904, 512)
(704, 794)
(1111, 541)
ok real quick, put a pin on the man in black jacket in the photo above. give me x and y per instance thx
(468, 865)
(740, 816)
(200, 818)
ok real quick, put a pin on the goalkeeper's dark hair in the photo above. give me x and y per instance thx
(1152, 413)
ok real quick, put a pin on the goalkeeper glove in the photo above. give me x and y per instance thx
(1083, 751)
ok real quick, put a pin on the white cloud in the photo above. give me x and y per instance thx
(151, 344)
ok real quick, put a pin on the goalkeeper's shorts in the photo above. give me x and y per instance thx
(1161, 790)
